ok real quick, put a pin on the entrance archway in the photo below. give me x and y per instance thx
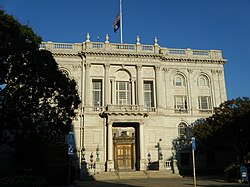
(126, 146)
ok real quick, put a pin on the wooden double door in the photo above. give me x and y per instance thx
(124, 153)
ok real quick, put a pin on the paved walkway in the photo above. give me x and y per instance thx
(166, 182)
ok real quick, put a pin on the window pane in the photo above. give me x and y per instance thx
(202, 81)
(97, 92)
(148, 94)
(178, 81)
(204, 102)
(122, 93)
(182, 130)
(180, 102)
(122, 86)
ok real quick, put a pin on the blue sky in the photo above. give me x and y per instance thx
(195, 24)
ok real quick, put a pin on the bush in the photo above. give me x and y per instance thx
(22, 180)
(232, 172)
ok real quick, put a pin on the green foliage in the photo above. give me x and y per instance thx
(23, 180)
(183, 143)
(39, 101)
(227, 129)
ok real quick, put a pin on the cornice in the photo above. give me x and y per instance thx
(65, 54)
(160, 57)
(191, 60)
(119, 54)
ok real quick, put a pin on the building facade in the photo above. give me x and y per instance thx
(137, 98)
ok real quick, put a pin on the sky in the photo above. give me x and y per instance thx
(195, 24)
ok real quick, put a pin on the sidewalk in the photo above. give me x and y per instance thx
(206, 181)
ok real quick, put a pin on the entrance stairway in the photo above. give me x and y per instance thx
(101, 176)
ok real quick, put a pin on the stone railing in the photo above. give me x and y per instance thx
(130, 48)
(168, 165)
(123, 108)
(129, 108)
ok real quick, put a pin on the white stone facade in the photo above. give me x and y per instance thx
(145, 91)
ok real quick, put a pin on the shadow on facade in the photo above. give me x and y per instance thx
(206, 164)
(205, 181)
(48, 164)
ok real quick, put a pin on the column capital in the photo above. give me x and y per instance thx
(107, 65)
(158, 67)
(141, 123)
(109, 123)
(88, 65)
(138, 66)
(190, 70)
(165, 69)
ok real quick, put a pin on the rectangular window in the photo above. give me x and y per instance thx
(97, 93)
(180, 102)
(148, 94)
(122, 93)
(204, 102)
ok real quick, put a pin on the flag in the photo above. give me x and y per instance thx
(116, 24)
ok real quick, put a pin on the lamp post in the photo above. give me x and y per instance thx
(97, 153)
(83, 154)
(91, 160)
(149, 157)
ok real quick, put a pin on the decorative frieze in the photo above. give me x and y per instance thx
(76, 66)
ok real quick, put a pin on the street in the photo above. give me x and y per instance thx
(171, 182)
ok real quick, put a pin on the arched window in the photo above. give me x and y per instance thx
(203, 81)
(182, 130)
(179, 80)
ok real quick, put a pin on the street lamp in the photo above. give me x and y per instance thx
(97, 153)
(149, 157)
(83, 154)
(91, 160)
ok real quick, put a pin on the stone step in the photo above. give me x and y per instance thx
(160, 174)
(100, 176)
(133, 175)
(104, 176)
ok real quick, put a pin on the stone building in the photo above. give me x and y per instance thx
(137, 98)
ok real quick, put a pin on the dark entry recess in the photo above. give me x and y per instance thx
(126, 148)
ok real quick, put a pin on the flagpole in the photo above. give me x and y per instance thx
(121, 19)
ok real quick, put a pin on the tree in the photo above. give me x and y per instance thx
(38, 102)
(227, 129)
(184, 142)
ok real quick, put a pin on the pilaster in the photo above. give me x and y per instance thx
(107, 85)
(110, 162)
(139, 85)
(88, 89)
(142, 148)
(160, 94)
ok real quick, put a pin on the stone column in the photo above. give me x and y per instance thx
(222, 87)
(160, 96)
(133, 92)
(113, 92)
(107, 85)
(110, 162)
(142, 148)
(88, 89)
(190, 91)
(139, 86)
(167, 89)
